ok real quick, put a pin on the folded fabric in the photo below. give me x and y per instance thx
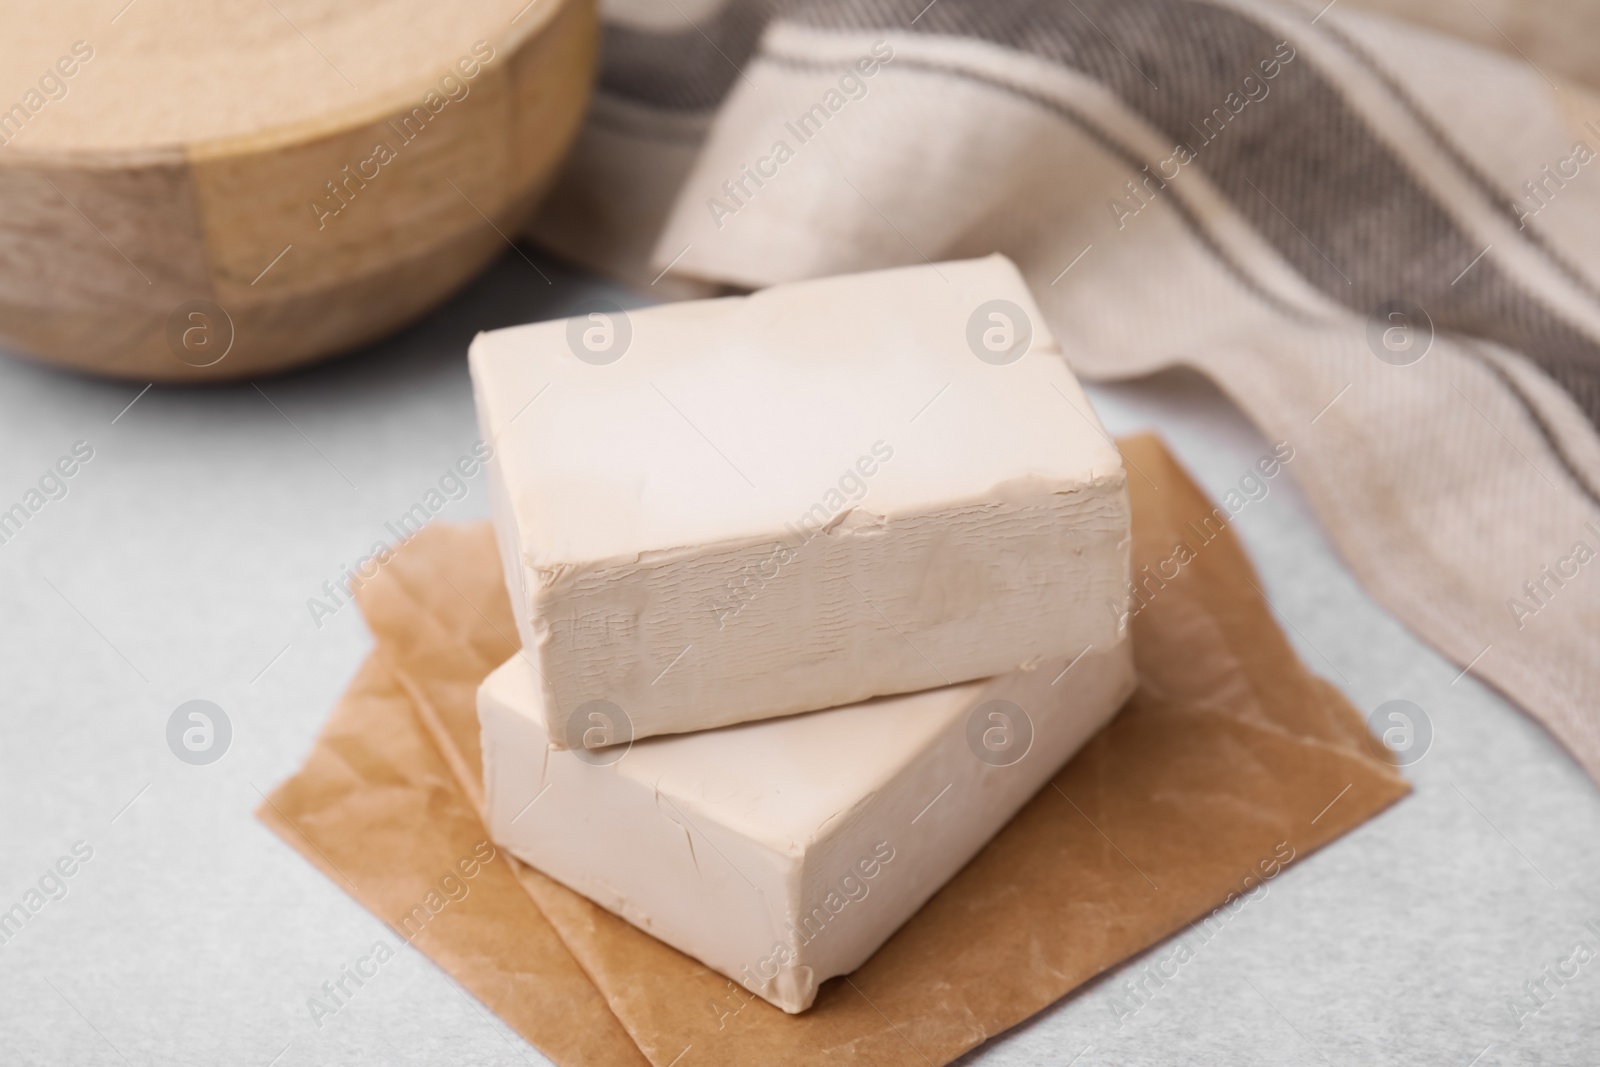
(1381, 242)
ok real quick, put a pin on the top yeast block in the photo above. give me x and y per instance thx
(724, 510)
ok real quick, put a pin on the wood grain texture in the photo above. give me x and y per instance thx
(236, 255)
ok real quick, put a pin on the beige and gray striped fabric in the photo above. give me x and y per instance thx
(1379, 236)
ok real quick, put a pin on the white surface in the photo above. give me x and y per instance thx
(194, 538)
(790, 808)
(798, 499)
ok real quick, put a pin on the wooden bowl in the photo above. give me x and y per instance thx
(195, 191)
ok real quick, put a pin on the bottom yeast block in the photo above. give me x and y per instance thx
(783, 852)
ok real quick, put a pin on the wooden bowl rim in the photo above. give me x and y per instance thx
(341, 120)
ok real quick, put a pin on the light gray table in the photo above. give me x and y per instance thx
(178, 566)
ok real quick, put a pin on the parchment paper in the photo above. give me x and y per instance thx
(1228, 759)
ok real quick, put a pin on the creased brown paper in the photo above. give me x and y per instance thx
(1229, 758)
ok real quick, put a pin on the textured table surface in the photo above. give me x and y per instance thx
(178, 565)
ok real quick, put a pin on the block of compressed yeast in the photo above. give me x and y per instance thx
(825, 491)
(783, 852)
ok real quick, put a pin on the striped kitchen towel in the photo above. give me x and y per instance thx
(1378, 236)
